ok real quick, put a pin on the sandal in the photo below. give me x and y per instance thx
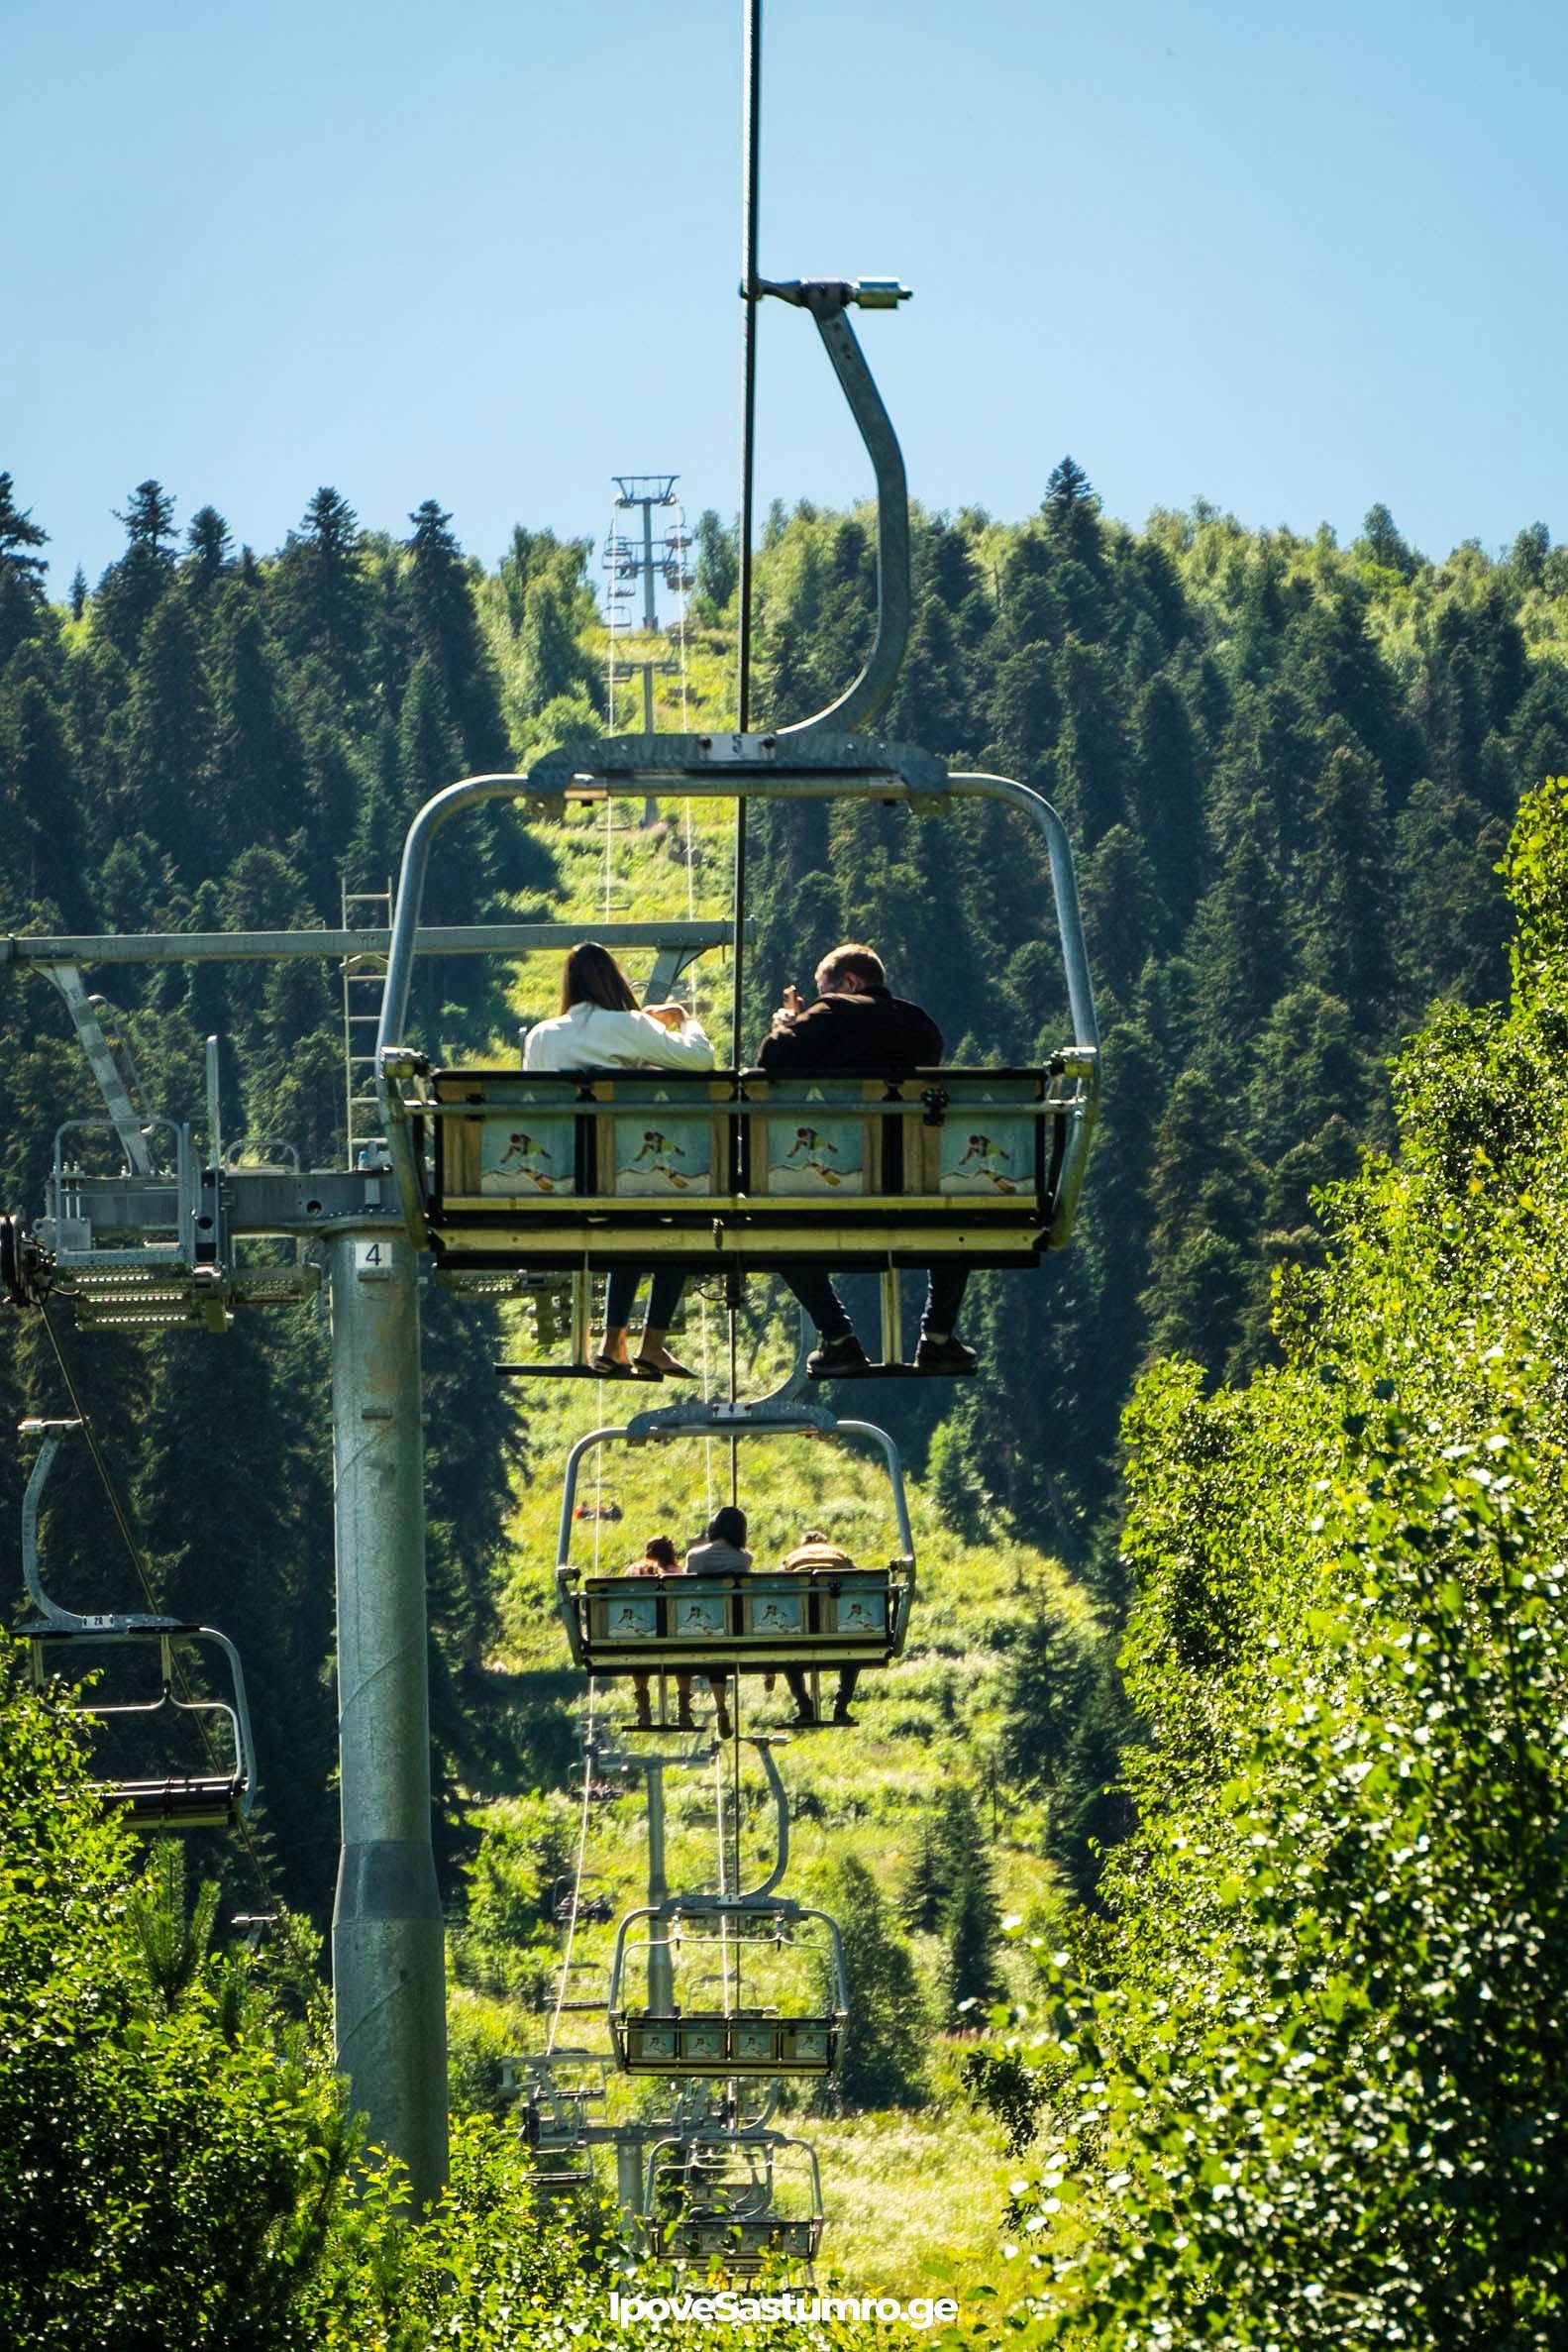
(610, 1367)
(673, 1370)
(640, 1368)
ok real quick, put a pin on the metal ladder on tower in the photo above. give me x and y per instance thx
(363, 983)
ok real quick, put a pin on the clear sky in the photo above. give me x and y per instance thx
(1291, 260)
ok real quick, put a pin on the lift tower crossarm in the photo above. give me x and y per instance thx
(479, 938)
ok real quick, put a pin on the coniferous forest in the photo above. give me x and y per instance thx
(1264, 1737)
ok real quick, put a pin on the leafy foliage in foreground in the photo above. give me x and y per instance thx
(1306, 2084)
(168, 2142)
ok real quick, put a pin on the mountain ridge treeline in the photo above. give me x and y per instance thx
(1288, 768)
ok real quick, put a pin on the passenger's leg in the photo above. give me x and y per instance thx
(663, 1298)
(804, 1712)
(619, 1291)
(820, 1301)
(848, 1676)
(939, 1349)
(684, 1720)
(839, 1350)
(645, 1713)
(944, 1295)
(721, 1703)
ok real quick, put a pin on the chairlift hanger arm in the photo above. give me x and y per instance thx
(827, 299)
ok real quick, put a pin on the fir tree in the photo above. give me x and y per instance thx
(446, 630)
(882, 2048)
(321, 593)
(131, 590)
(169, 744)
(973, 1931)
(22, 600)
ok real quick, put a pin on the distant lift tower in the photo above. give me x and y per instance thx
(638, 557)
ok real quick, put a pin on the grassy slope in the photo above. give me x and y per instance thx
(914, 2200)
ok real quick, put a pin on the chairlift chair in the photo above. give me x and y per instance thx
(554, 2116)
(756, 1623)
(733, 2038)
(734, 2196)
(174, 1800)
(745, 1172)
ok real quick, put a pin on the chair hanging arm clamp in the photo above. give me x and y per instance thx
(826, 297)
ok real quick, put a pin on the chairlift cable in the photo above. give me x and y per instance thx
(750, 69)
(577, 1871)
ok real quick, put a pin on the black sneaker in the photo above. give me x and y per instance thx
(805, 1719)
(835, 1357)
(944, 1356)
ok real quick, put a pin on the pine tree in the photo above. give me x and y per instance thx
(1090, 756)
(209, 542)
(1166, 801)
(38, 788)
(446, 630)
(131, 590)
(1383, 543)
(1071, 511)
(258, 786)
(169, 746)
(923, 1895)
(1205, 1193)
(973, 1930)
(882, 2045)
(22, 600)
(321, 593)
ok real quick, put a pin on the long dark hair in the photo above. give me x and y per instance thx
(594, 977)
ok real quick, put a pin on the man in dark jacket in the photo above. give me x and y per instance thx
(857, 1025)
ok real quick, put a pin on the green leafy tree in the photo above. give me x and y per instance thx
(1299, 2082)
(717, 561)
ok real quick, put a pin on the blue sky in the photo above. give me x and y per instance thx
(1290, 261)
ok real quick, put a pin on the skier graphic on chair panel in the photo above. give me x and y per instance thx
(672, 1158)
(824, 1155)
(999, 1160)
(537, 1158)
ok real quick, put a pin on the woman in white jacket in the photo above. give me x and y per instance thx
(601, 1027)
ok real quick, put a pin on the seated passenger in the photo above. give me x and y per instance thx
(724, 1552)
(817, 1550)
(858, 1027)
(601, 1027)
(663, 1559)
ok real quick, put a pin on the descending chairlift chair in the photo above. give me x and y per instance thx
(738, 2196)
(758, 1623)
(177, 1800)
(733, 1171)
(722, 1940)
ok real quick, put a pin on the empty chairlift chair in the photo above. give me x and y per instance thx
(65, 1643)
(759, 1968)
(739, 2197)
